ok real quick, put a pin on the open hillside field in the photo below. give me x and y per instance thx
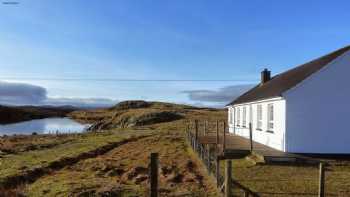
(109, 162)
(113, 159)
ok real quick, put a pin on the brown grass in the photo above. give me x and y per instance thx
(126, 167)
(17, 192)
(123, 169)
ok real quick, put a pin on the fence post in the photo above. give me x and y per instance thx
(224, 143)
(217, 133)
(196, 134)
(228, 175)
(194, 138)
(209, 156)
(246, 193)
(321, 181)
(154, 175)
(217, 172)
(251, 137)
(196, 128)
(201, 152)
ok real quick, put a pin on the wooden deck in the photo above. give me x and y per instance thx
(239, 147)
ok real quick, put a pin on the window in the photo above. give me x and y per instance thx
(250, 114)
(244, 124)
(270, 117)
(259, 117)
(238, 116)
(230, 113)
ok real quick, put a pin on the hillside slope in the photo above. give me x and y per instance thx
(129, 114)
(80, 164)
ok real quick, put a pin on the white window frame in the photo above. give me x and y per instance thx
(270, 117)
(259, 122)
(244, 119)
(238, 117)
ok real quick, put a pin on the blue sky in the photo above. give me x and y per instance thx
(162, 39)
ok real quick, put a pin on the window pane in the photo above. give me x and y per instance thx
(244, 116)
(270, 115)
(259, 116)
(238, 116)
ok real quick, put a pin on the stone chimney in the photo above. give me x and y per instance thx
(265, 76)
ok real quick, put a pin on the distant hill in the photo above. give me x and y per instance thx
(13, 114)
(136, 113)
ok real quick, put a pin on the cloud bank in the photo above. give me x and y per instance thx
(81, 102)
(221, 96)
(27, 94)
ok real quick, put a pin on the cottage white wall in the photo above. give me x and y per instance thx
(275, 139)
(318, 111)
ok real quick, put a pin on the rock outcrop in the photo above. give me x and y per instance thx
(133, 119)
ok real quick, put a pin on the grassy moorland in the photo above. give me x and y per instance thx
(43, 154)
(59, 165)
(292, 180)
(114, 160)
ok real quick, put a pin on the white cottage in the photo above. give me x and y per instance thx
(303, 110)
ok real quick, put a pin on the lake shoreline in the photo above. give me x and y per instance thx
(47, 126)
(15, 114)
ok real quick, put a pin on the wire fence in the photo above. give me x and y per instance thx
(210, 158)
(327, 177)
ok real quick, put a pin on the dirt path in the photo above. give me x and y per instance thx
(124, 170)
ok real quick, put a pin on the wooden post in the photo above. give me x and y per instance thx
(224, 143)
(154, 175)
(190, 126)
(321, 181)
(251, 137)
(208, 161)
(217, 172)
(196, 134)
(246, 193)
(189, 130)
(193, 144)
(228, 179)
(217, 132)
(193, 134)
(201, 155)
(196, 128)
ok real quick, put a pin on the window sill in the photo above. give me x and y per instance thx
(259, 129)
(269, 131)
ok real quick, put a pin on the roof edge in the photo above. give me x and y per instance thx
(318, 71)
(338, 53)
(259, 100)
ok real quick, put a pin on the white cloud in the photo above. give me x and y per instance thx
(21, 93)
(27, 94)
(222, 96)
